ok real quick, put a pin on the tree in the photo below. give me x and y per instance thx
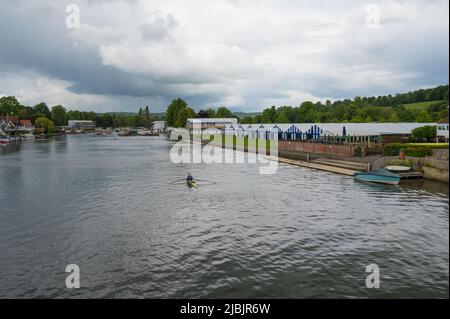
(173, 109)
(41, 109)
(282, 117)
(144, 118)
(202, 114)
(43, 123)
(394, 118)
(184, 114)
(247, 120)
(269, 115)
(9, 105)
(424, 117)
(307, 113)
(424, 133)
(223, 112)
(211, 112)
(59, 115)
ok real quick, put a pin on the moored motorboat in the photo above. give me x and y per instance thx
(381, 176)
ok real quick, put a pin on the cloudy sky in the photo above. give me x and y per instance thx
(245, 54)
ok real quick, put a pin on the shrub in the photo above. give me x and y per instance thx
(414, 150)
(393, 149)
(418, 152)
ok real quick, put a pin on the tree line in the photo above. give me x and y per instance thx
(361, 109)
(59, 115)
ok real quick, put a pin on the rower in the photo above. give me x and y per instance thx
(189, 178)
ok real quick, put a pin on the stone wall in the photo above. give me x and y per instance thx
(316, 148)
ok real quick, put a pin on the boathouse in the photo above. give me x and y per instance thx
(353, 132)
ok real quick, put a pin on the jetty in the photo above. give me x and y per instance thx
(318, 166)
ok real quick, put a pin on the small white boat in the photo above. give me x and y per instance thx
(398, 168)
(28, 137)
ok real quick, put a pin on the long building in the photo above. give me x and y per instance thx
(81, 125)
(316, 131)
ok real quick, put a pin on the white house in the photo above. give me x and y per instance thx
(442, 132)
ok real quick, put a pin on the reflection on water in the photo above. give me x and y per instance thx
(121, 211)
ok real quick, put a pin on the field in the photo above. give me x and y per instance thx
(420, 105)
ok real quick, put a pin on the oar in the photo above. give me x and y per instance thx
(204, 180)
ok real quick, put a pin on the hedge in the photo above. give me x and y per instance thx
(414, 150)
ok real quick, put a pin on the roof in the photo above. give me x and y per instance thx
(12, 118)
(213, 120)
(25, 122)
(356, 129)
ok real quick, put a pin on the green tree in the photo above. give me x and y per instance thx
(424, 133)
(223, 112)
(144, 117)
(173, 109)
(9, 105)
(269, 115)
(59, 115)
(282, 117)
(394, 118)
(184, 114)
(247, 120)
(43, 123)
(42, 110)
(211, 112)
(424, 117)
(307, 113)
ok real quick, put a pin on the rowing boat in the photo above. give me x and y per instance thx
(191, 183)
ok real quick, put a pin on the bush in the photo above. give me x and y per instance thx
(418, 152)
(414, 150)
(393, 149)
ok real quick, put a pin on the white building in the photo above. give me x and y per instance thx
(211, 125)
(442, 132)
(81, 125)
(308, 131)
(159, 126)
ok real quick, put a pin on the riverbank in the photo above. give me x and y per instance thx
(338, 159)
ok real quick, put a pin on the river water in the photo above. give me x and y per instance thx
(119, 209)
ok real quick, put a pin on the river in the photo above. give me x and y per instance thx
(119, 209)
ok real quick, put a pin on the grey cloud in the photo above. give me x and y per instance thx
(159, 28)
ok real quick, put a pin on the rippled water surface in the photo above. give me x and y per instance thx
(120, 210)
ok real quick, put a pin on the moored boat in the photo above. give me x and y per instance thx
(381, 176)
(398, 169)
(29, 136)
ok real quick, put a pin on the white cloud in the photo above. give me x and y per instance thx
(251, 54)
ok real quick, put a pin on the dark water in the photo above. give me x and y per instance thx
(119, 210)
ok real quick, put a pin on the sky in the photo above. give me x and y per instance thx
(243, 54)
